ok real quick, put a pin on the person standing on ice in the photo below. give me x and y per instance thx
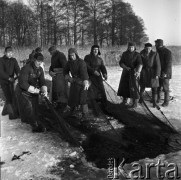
(76, 73)
(31, 83)
(9, 68)
(131, 63)
(150, 72)
(97, 71)
(166, 70)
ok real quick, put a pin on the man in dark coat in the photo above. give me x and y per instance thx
(79, 82)
(59, 85)
(9, 68)
(150, 72)
(97, 70)
(166, 70)
(31, 83)
(131, 63)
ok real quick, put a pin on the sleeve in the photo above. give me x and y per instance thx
(103, 68)
(139, 63)
(89, 68)
(17, 68)
(168, 62)
(3, 75)
(23, 78)
(42, 78)
(122, 60)
(62, 59)
(157, 64)
(50, 69)
(83, 71)
(66, 69)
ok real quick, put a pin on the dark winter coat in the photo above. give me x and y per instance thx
(58, 60)
(30, 75)
(8, 68)
(128, 84)
(96, 64)
(78, 70)
(166, 61)
(151, 69)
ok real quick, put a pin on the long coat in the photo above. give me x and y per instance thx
(28, 102)
(78, 70)
(96, 64)
(128, 84)
(166, 61)
(59, 85)
(151, 68)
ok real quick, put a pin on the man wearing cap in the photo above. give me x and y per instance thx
(150, 72)
(59, 85)
(31, 84)
(131, 63)
(79, 82)
(166, 70)
(97, 70)
(9, 71)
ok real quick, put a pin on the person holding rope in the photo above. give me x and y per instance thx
(31, 84)
(9, 71)
(150, 72)
(76, 73)
(59, 94)
(166, 70)
(131, 63)
(97, 71)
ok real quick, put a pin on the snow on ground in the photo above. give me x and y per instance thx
(42, 152)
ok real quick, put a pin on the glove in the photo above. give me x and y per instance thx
(86, 84)
(11, 79)
(96, 73)
(68, 78)
(33, 90)
(52, 74)
(163, 75)
(44, 91)
(127, 68)
(105, 76)
(137, 74)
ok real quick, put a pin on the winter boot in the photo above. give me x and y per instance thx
(4, 111)
(11, 112)
(135, 103)
(154, 99)
(158, 97)
(125, 100)
(85, 111)
(141, 96)
(166, 99)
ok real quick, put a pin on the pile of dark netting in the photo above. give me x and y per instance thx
(132, 134)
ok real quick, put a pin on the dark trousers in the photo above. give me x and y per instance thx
(164, 83)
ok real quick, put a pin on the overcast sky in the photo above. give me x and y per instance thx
(162, 19)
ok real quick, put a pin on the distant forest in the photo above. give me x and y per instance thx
(69, 22)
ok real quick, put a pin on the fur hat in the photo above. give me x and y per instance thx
(72, 50)
(52, 48)
(38, 50)
(39, 57)
(131, 44)
(95, 46)
(8, 49)
(159, 42)
(148, 45)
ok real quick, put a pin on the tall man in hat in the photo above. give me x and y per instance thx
(31, 84)
(9, 70)
(150, 72)
(131, 63)
(166, 70)
(59, 85)
(77, 68)
(97, 71)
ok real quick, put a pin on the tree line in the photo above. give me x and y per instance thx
(69, 22)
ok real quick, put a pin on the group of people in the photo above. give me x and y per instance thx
(145, 69)
(75, 81)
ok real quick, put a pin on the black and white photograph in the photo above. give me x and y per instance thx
(90, 89)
